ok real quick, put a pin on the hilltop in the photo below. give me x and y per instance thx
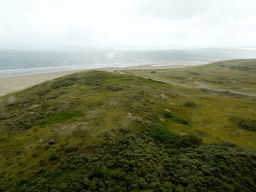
(122, 132)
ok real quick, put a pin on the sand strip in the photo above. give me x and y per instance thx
(11, 84)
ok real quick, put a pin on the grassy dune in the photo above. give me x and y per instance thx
(232, 75)
(82, 110)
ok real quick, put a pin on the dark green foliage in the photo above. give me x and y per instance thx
(157, 81)
(153, 117)
(161, 134)
(60, 117)
(114, 88)
(226, 143)
(189, 104)
(248, 125)
(18, 151)
(60, 148)
(47, 146)
(73, 162)
(176, 118)
(41, 162)
(243, 68)
(71, 149)
(41, 170)
(25, 122)
(2, 189)
(53, 156)
(34, 154)
(22, 181)
(135, 163)
(188, 141)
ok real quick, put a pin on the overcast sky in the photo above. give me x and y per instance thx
(210, 23)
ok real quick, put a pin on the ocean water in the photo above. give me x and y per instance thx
(27, 62)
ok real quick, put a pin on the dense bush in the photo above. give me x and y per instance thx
(53, 156)
(176, 118)
(248, 125)
(138, 163)
(153, 117)
(188, 141)
(189, 104)
(163, 135)
(70, 149)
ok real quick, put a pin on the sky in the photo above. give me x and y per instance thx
(132, 23)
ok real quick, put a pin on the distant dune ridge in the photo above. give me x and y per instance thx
(11, 84)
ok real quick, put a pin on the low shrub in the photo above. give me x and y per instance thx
(176, 118)
(188, 141)
(153, 117)
(34, 154)
(137, 163)
(248, 125)
(114, 88)
(22, 181)
(53, 156)
(41, 162)
(189, 104)
(161, 134)
(71, 149)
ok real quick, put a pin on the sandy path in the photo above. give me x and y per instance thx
(202, 86)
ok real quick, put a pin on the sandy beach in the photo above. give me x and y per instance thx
(12, 84)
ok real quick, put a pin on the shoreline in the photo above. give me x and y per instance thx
(17, 83)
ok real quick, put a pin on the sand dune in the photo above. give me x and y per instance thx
(11, 84)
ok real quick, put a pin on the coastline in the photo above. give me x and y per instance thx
(17, 83)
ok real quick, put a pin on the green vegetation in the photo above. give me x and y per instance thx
(120, 132)
(135, 163)
(248, 125)
(59, 117)
(163, 135)
(189, 104)
(34, 154)
(232, 75)
(176, 118)
(154, 117)
(53, 156)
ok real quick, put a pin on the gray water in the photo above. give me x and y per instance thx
(26, 62)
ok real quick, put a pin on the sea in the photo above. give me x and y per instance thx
(19, 62)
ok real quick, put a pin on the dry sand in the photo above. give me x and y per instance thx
(11, 84)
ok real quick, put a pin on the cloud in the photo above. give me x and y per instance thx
(173, 9)
(128, 23)
(76, 36)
